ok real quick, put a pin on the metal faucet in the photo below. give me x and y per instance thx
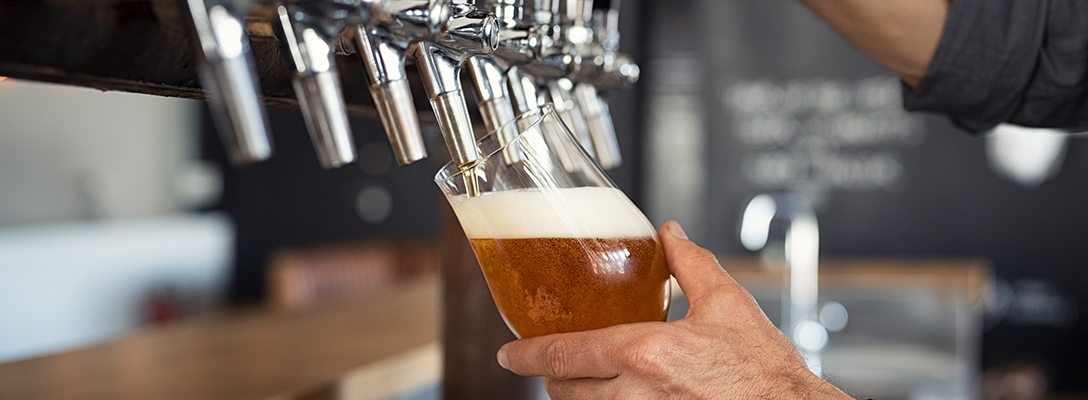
(797, 221)
(603, 68)
(470, 32)
(229, 77)
(383, 45)
(520, 43)
(553, 58)
(311, 31)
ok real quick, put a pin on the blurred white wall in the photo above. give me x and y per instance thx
(93, 187)
(73, 153)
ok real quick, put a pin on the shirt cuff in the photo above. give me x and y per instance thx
(984, 62)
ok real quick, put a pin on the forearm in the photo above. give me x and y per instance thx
(900, 34)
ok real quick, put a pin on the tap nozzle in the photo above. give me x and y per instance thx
(383, 45)
(562, 94)
(229, 78)
(469, 33)
(492, 96)
(310, 30)
(521, 43)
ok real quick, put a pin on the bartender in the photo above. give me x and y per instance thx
(981, 62)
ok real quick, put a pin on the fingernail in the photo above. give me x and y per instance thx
(676, 230)
(503, 361)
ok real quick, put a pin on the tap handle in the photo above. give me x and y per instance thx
(383, 47)
(492, 96)
(469, 32)
(309, 35)
(229, 77)
(523, 90)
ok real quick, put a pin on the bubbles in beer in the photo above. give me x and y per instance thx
(566, 260)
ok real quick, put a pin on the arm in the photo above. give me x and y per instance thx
(900, 34)
(724, 348)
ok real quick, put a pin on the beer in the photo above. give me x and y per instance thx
(566, 260)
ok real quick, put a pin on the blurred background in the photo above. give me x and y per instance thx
(119, 210)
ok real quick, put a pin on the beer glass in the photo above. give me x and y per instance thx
(561, 247)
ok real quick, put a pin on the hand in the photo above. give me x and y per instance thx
(725, 347)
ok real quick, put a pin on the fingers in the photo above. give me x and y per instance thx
(695, 268)
(564, 356)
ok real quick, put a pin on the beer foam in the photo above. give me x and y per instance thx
(586, 212)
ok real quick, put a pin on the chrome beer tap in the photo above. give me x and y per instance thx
(801, 241)
(569, 31)
(557, 59)
(383, 45)
(229, 77)
(470, 32)
(520, 42)
(311, 31)
(605, 69)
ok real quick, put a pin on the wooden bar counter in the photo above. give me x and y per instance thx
(371, 346)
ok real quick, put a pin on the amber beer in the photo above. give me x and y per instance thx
(566, 260)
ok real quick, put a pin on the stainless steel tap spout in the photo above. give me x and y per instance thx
(310, 29)
(469, 33)
(383, 47)
(802, 249)
(228, 75)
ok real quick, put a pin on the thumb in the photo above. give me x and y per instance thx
(695, 268)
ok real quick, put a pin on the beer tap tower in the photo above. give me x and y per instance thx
(470, 32)
(518, 53)
(594, 37)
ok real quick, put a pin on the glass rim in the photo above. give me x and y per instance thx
(544, 110)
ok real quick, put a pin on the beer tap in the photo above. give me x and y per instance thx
(520, 42)
(470, 32)
(556, 58)
(568, 31)
(607, 69)
(310, 32)
(229, 77)
(801, 241)
(383, 45)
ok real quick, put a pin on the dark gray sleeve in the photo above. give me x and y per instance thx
(1018, 61)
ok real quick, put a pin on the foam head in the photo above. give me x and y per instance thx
(585, 212)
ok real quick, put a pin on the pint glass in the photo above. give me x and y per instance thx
(561, 247)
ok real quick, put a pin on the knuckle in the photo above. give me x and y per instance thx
(647, 353)
(557, 359)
